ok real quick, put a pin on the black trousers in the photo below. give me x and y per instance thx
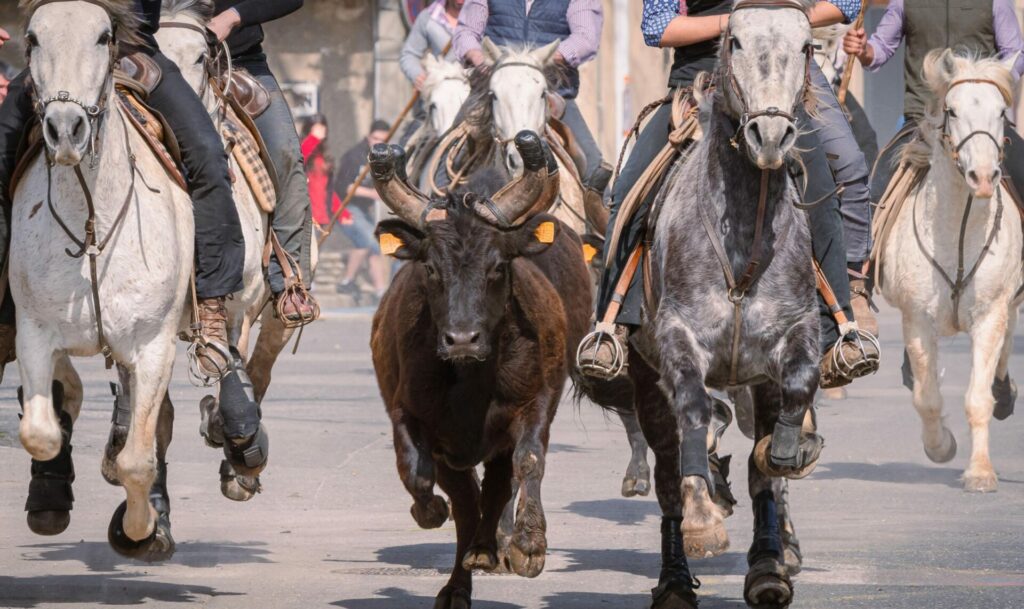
(825, 220)
(220, 248)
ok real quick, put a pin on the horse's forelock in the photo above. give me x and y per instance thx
(200, 10)
(122, 15)
(971, 66)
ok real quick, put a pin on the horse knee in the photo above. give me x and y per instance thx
(39, 430)
(135, 471)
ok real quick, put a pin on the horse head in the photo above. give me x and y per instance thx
(971, 98)
(72, 45)
(445, 89)
(183, 39)
(518, 88)
(465, 245)
(764, 67)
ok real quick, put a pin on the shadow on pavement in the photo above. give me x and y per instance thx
(97, 556)
(620, 511)
(92, 589)
(397, 598)
(897, 473)
(439, 556)
(596, 600)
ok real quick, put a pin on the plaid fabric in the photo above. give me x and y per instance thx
(246, 153)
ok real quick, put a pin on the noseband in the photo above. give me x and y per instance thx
(947, 113)
(746, 114)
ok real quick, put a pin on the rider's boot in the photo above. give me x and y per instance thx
(50, 498)
(212, 354)
(860, 300)
(603, 353)
(296, 306)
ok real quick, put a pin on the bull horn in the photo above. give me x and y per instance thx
(387, 165)
(529, 190)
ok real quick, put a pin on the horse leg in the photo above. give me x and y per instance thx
(133, 527)
(50, 498)
(163, 543)
(495, 496)
(790, 544)
(922, 351)
(272, 339)
(1003, 388)
(988, 335)
(675, 584)
(40, 431)
(120, 420)
(637, 480)
(418, 474)
(462, 487)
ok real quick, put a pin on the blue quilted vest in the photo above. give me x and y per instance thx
(509, 25)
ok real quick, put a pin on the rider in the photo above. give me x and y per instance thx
(576, 23)
(431, 33)
(220, 248)
(986, 28)
(239, 22)
(694, 35)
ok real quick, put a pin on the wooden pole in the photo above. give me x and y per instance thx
(366, 168)
(844, 82)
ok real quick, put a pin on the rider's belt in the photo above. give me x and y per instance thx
(248, 93)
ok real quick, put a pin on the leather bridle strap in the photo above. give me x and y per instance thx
(955, 148)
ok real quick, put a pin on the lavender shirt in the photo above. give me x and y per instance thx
(585, 19)
(889, 35)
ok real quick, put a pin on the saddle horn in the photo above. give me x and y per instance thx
(533, 191)
(387, 165)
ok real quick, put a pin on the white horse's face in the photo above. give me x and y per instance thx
(70, 54)
(519, 91)
(445, 89)
(187, 49)
(768, 53)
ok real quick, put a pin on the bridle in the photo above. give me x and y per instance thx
(218, 57)
(746, 114)
(517, 64)
(954, 148)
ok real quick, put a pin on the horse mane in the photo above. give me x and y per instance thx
(125, 20)
(443, 69)
(966, 65)
(200, 10)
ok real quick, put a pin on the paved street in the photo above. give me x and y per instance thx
(881, 526)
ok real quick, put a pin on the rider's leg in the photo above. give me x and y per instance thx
(292, 220)
(573, 119)
(220, 248)
(888, 159)
(14, 115)
(1014, 163)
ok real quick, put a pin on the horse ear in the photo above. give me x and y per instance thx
(1011, 62)
(429, 62)
(546, 52)
(939, 68)
(398, 239)
(492, 52)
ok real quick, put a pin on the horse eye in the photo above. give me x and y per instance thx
(201, 60)
(951, 112)
(734, 44)
(31, 40)
(104, 39)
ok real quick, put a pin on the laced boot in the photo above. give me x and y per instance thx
(602, 354)
(860, 300)
(212, 355)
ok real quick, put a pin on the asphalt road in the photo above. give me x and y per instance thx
(881, 526)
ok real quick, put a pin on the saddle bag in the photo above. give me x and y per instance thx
(248, 93)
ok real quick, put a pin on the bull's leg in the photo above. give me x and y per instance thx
(675, 584)
(462, 488)
(988, 334)
(495, 497)
(922, 351)
(418, 474)
(637, 480)
(1003, 388)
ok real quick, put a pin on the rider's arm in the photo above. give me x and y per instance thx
(415, 47)
(1008, 37)
(256, 12)
(470, 31)
(585, 17)
(883, 43)
(664, 26)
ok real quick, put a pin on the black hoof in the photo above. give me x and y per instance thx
(451, 597)
(159, 546)
(431, 515)
(1005, 393)
(48, 522)
(767, 585)
(674, 595)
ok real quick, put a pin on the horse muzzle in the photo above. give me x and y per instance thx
(769, 139)
(983, 182)
(66, 131)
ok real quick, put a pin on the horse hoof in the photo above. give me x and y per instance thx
(431, 515)
(526, 561)
(674, 595)
(481, 559)
(159, 546)
(984, 482)
(811, 445)
(635, 485)
(249, 457)
(706, 542)
(767, 585)
(1005, 392)
(945, 452)
(235, 486)
(451, 597)
(48, 522)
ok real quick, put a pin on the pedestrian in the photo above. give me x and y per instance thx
(319, 167)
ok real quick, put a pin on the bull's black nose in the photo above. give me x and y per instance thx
(461, 339)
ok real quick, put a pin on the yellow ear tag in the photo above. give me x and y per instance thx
(589, 251)
(545, 232)
(389, 244)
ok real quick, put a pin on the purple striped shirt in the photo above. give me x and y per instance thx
(585, 18)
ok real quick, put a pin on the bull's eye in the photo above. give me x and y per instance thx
(431, 271)
(498, 271)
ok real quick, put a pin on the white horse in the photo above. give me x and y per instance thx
(445, 89)
(142, 251)
(960, 216)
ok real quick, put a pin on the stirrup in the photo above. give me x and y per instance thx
(298, 291)
(196, 375)
(867, 360)
(591, 344)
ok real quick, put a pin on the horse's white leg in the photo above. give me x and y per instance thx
(73, 393)
(988, 335)
(39, 431)
(136, 465)
(922, 349)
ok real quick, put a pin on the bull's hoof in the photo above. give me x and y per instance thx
(158, 547)
(526, 555)
(451, 597)
(944, 452)
(811, 445)
(674, 595)
(636, 484)
(767, 585)
(981, 481)
(1005, 393)
(480, 558)
(48, 522)
(705, 542)
(237, 487)
(431, 515)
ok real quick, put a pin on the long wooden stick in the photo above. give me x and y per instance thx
(366, 168)
(844, 82)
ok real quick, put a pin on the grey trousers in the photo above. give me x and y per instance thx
(848, 165)
(573, 119)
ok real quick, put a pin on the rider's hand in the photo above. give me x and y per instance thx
(855, 43)
(4, 37)
(223, 24)
(419, 82)
(475, 56)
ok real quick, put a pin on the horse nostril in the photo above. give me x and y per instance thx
(78, 130)
(972, 177)
(789, 137)
(51, 131)
(755, 133)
